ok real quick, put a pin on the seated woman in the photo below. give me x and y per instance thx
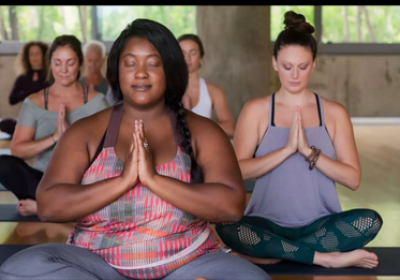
(31, 67)
(304, 144)
(44, 117)
(203, 97)
(94, 55)
(143, 180)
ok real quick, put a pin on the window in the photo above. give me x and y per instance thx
(113, 19)
(26, 23)
(277, 17)
(361, 24)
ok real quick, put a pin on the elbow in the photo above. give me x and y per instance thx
(46, 211)
(355, 183)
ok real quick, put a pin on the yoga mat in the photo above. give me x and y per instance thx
(9, 213)
(4, 136)
(388, 257)
(5, 152)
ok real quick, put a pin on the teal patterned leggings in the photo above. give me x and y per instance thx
(258, 237)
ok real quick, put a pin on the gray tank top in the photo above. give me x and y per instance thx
(291, 195)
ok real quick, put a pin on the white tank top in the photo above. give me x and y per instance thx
(204, 106)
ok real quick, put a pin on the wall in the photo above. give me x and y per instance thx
(236, 42)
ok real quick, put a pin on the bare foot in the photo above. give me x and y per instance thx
(358, 257)
(256, 260)
(27, 207)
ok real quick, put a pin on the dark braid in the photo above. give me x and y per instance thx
(186, 143)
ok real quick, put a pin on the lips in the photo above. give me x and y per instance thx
(141, 87)
(294, 83)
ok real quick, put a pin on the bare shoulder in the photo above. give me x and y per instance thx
(214, 89)
(37, 98)
(205, 131)
(334, 110)
(256, 108)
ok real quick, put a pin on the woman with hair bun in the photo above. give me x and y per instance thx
(303, 145)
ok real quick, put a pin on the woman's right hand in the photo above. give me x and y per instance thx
(130, 172)
(61, 124)
(291, 144)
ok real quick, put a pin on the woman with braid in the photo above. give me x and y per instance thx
(141, 178)
(303, 144)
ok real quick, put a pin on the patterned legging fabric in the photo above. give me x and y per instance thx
(261, 238)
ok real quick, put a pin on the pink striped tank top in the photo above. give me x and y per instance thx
(139, 234)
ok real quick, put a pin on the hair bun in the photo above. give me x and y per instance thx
(297, 22)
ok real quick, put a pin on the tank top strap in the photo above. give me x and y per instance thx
(46, 97)
(271, 110)
(320, 112)
(113, 126)
(85, 94)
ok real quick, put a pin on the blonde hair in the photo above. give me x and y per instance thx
(94, 44)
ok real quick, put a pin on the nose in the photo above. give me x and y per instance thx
(64, 68)
(141, 72)
(295, 73)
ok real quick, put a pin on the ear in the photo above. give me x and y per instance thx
(274, 63)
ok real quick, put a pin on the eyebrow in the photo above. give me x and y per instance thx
(133, 55)
(292, 63)
(67, 59)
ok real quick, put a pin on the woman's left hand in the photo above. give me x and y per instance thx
(146, 169)
(302, 144)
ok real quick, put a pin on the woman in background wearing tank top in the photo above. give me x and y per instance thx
(31, 67)
(203, 97)
(143, 179)
(304, 144)
(43, 118)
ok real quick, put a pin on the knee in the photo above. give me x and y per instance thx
(19, 265)
(370, 219)
(8, 163)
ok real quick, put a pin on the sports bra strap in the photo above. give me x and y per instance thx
(85, 94)
(113, 126)
(46, 97)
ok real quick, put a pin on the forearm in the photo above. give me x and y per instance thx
(26, 150)
(255, 167)
(66, 202)
(213, 202)
(339, 172)
(228, 127)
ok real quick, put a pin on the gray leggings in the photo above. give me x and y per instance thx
(61, 261)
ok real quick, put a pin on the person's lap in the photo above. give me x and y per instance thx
(62, 261)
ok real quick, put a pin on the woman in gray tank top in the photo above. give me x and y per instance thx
(43, 118)
(303, 144)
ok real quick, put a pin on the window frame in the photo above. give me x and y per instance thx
(349, 48)
(13, 48)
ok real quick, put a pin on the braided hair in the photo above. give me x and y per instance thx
(176, 76)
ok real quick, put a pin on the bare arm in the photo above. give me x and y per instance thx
(221, 198)
(221, 108)
(248, 134)
(60, 196)
(346, 168)
(24, 147)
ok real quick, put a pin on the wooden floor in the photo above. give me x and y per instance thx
(379, 151)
